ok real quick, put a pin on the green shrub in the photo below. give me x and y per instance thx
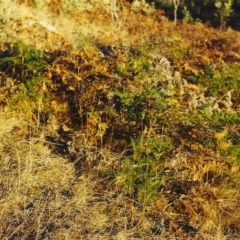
(142, 172)
(25, 64)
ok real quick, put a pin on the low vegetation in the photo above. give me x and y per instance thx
(124, 131)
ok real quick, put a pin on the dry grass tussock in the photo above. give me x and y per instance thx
(41, 198)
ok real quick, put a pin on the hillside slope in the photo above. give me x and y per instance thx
(117, 127)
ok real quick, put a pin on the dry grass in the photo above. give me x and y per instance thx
(72, 28)
(41, 197)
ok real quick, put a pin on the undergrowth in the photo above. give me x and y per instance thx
(124, 141)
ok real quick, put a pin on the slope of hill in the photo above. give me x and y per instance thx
(117, 126)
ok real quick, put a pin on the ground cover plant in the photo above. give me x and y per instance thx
(125, 131)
